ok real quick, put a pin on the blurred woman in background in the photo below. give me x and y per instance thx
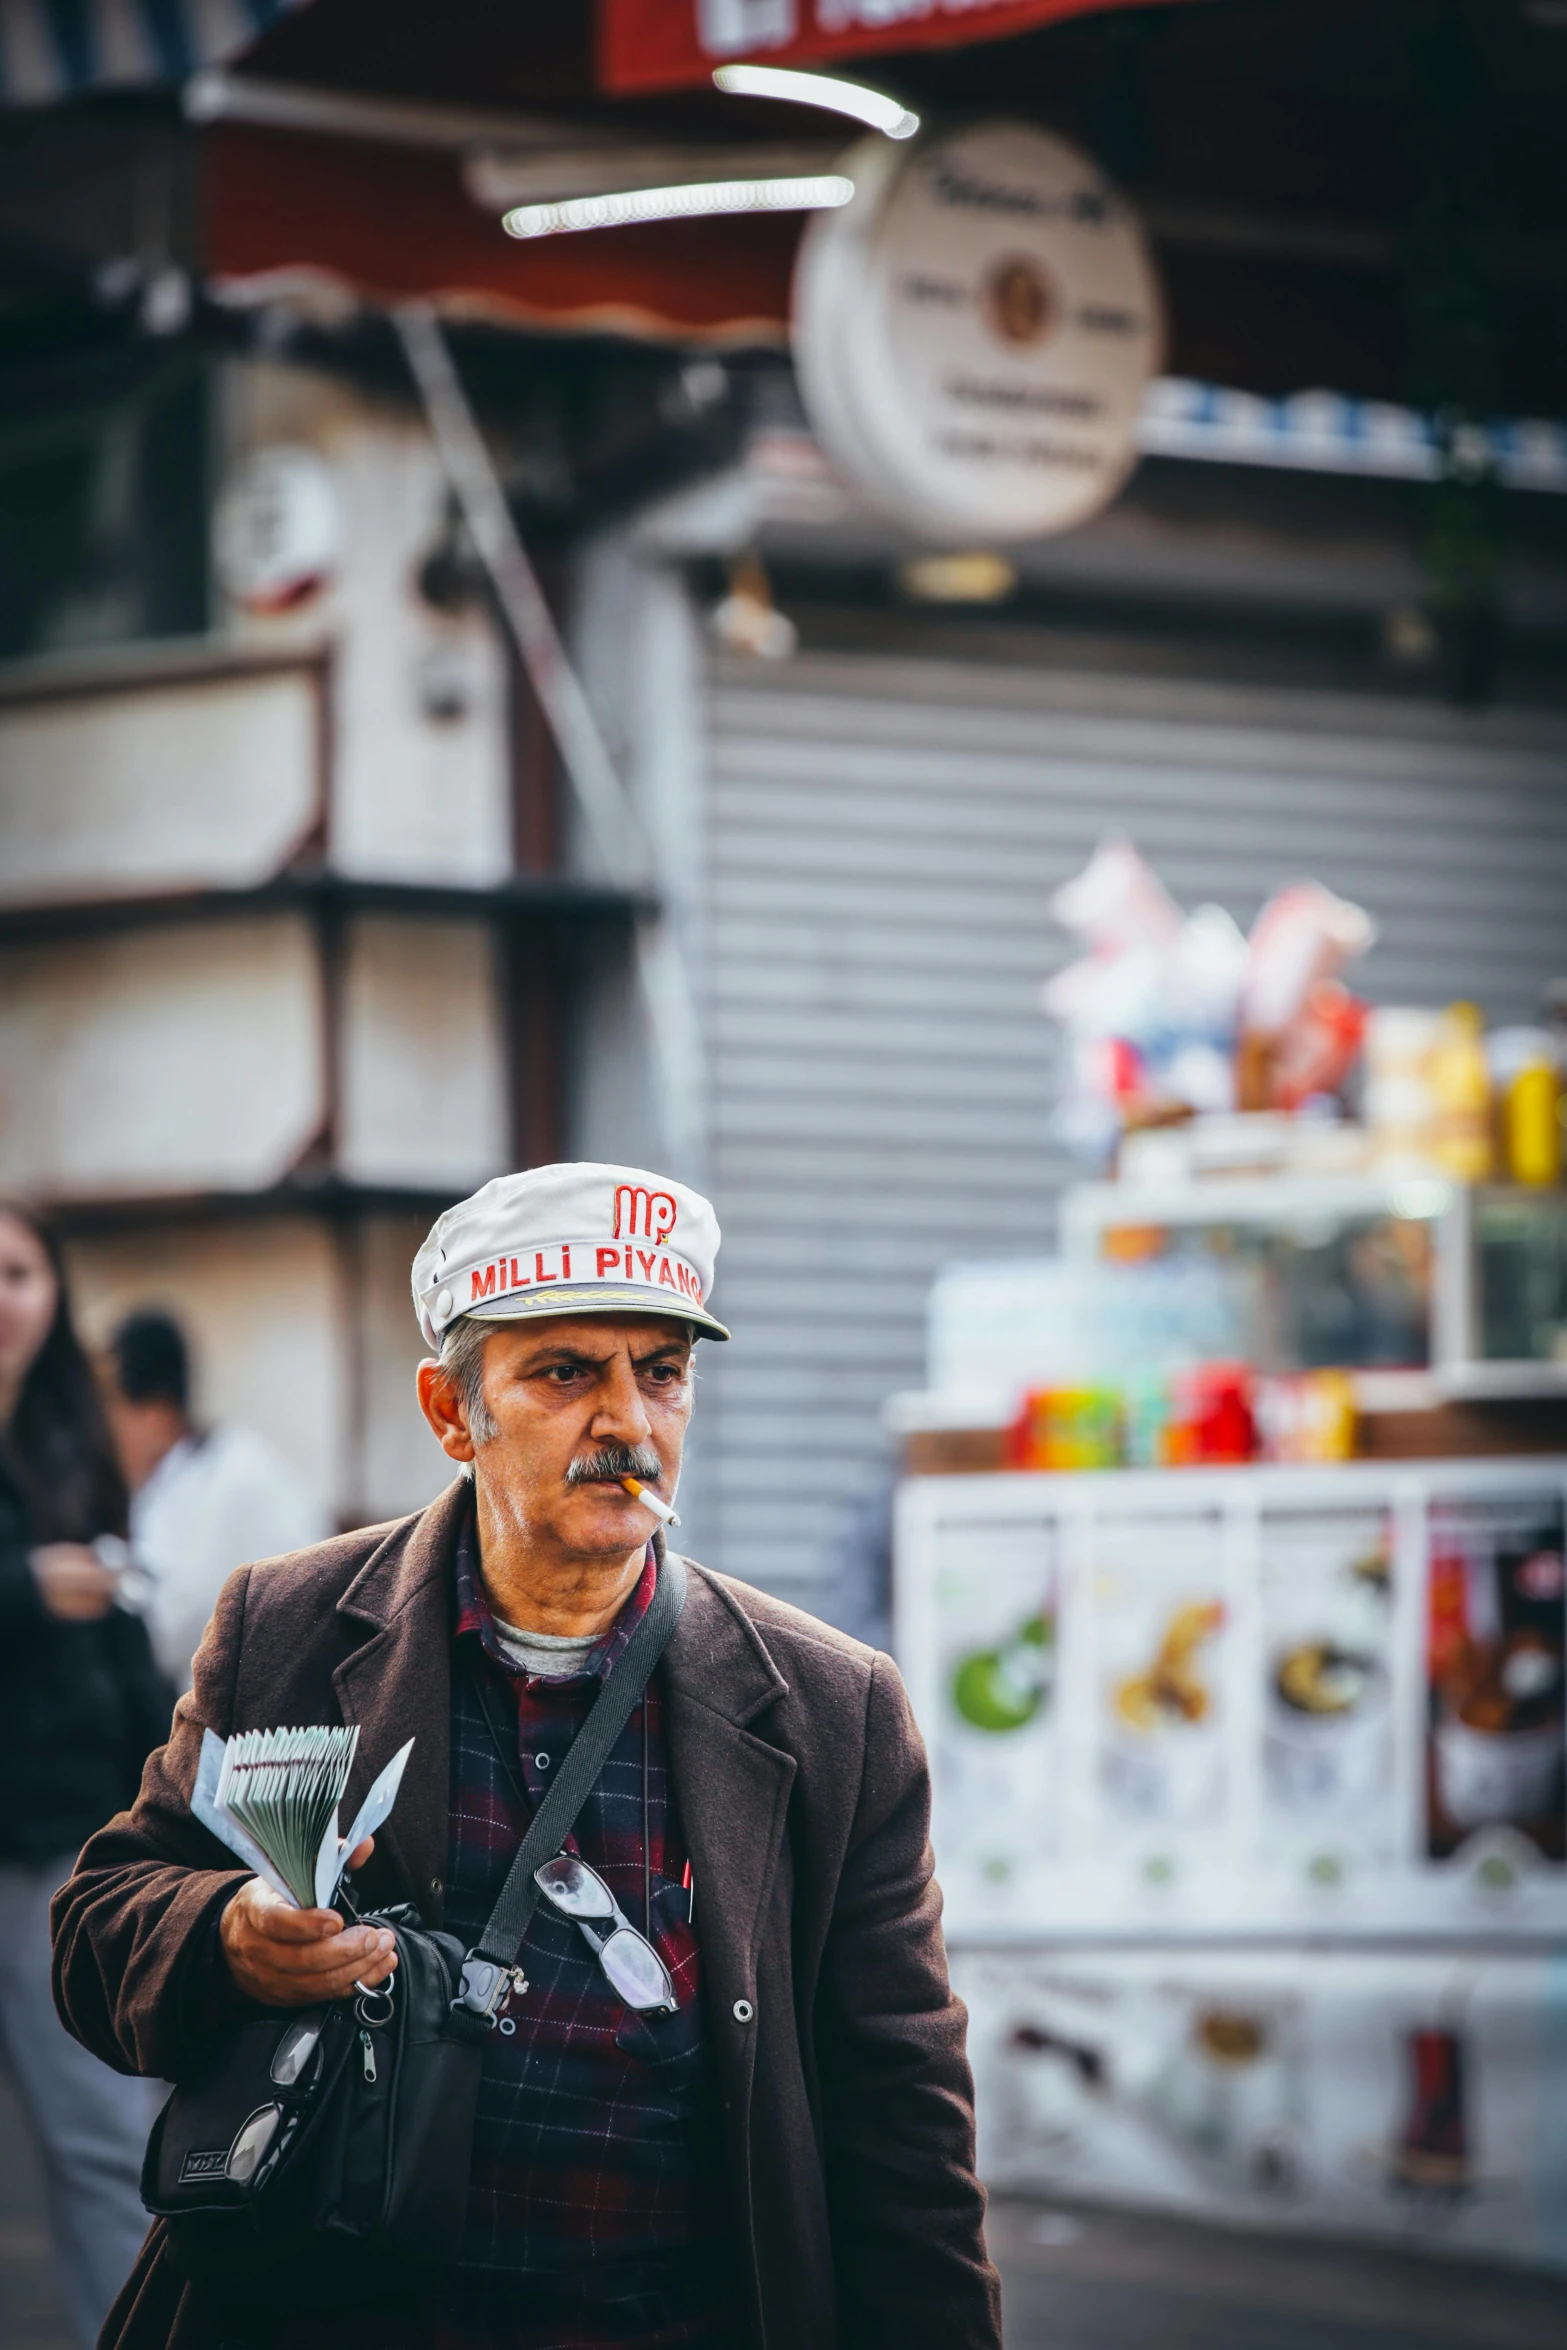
(81, 1706)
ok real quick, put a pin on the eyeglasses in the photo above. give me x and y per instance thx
(627, 1957)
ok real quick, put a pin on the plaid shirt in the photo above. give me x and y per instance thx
(595, 2207)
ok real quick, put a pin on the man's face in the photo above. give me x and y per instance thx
(575, 1405)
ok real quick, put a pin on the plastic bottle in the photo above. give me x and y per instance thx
(1526, 1069)
(1461, 1087)
(1534, 1125)
(1400, 1109)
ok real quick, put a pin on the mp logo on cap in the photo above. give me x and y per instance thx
(643, 1214)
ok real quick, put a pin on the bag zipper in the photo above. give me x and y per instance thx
(367, 2053)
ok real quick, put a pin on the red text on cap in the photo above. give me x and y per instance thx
(652, 1213)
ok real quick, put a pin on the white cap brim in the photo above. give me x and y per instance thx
(600, 1304)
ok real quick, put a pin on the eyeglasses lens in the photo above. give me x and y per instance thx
(636, 1970)
(573, 1888)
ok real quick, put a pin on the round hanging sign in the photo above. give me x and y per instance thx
(277, 533)
(974, 331)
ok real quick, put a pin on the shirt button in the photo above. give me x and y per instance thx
(543, 1761)
(743, 2011)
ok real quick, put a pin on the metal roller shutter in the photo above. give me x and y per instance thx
(882, 837)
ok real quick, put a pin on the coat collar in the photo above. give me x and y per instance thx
(732, 1786)
(720, 1679)
(716, 1658)
(415, 1552)
(397, 1684)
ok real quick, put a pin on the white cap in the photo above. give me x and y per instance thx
(574, 1239)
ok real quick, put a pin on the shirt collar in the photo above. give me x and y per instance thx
(166, 1468)
(475, 1615)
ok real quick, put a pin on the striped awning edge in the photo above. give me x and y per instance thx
(53, 49)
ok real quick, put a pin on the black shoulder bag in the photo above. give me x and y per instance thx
(324, 2153)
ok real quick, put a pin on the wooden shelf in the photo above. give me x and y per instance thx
(538, 901)
(331, 1196)
(1512, 1429)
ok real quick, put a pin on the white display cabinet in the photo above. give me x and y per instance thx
(1251, 1921)
(1252, 1704)
(1401, 2096)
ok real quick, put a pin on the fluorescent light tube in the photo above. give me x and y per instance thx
(818, 89)
(819, 192)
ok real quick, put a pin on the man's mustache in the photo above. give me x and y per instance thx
(616, 1460)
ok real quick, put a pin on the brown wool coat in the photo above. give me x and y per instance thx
(803, 1795)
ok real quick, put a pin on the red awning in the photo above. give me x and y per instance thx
(294, 208)
(287, 211)
(675, 44)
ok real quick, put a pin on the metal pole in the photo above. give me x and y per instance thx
(611, 820)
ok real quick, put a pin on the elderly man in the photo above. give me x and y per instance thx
(782, 2157)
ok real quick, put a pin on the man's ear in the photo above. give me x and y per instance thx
(442, 1406)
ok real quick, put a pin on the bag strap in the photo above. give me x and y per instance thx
(487, 1975)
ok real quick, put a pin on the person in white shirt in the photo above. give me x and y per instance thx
(203, 1500)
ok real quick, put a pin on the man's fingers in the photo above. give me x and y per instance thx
(356, 1950)
(291, 1957)
(280, 1922)
(328, 1977)
(278, 1986)
(361, 1853)
(371, 1973)
(313, 1936)
(359, 1942)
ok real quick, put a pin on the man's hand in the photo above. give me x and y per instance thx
(288, 1957)
(71, 1582)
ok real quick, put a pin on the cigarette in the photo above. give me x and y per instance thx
(650, 1501)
